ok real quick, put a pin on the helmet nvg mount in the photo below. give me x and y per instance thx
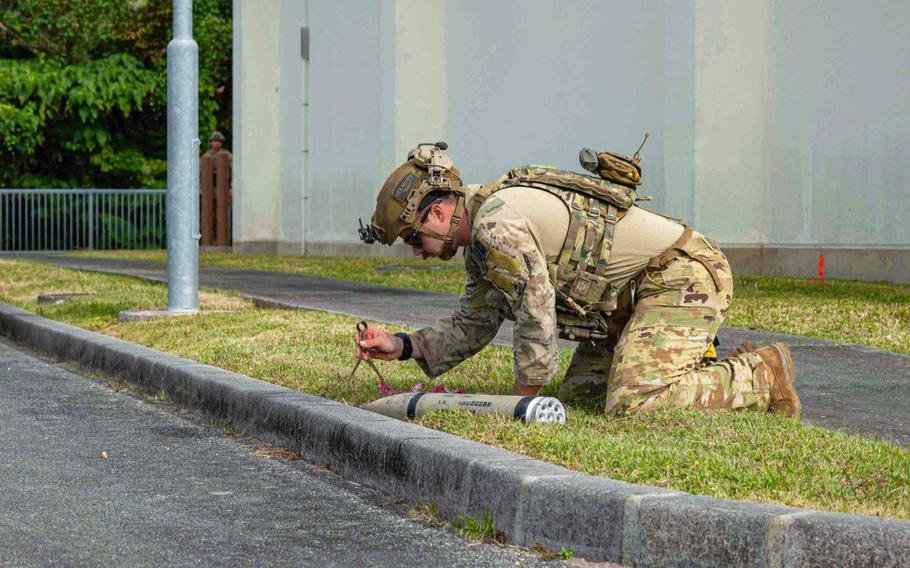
(428, 168)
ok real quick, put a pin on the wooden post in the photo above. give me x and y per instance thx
(223, 204)
(206, 198)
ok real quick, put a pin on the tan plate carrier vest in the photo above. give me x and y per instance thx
(584, 297)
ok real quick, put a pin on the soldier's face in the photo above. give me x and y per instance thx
(436, 218)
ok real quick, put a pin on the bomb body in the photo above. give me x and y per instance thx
(406, 406)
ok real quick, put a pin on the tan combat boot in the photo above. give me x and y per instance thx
(744, 347)
(782, 380)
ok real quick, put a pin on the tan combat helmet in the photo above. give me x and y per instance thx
(427, 169)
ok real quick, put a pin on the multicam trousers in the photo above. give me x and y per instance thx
(656, 361)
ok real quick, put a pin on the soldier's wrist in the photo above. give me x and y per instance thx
(407, 348)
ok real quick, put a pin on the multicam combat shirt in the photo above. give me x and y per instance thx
(515, 233)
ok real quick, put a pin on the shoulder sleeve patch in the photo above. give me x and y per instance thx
(508, 263)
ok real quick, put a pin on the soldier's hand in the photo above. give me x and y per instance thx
(378, 345)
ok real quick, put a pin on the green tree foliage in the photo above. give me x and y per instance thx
(83, 89)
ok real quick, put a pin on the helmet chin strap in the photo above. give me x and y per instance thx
(448, 247)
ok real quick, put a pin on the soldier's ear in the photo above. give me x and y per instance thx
(447, 211)
(437, 211)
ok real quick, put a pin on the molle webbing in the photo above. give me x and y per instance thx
(595, 206)
(549, 178)
(589, 240)
(601, 189)
(592, 222)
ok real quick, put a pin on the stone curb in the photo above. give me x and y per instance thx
(532, 501)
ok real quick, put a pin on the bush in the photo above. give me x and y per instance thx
(83, 89)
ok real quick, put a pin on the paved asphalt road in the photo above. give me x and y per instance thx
(841, 386)
(178, 492)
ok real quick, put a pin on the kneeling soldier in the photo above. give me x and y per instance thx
(571, 255)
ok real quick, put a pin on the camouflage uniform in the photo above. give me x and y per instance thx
(656, 361)
(652, 357)
(506, 278)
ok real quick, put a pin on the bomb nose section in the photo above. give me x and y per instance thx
(546, 409)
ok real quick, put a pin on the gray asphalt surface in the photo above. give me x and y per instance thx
(841, 386)
(178, 492)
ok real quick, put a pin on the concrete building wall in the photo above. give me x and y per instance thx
(350, 113)
(839, 124)
(534, 82)
(268, 137)
(831, 87)
(730, 143)
(776, 125)
(256, 169)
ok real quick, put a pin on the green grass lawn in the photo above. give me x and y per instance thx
(751, 456)
(876, 314)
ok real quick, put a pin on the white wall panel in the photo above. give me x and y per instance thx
(290, 112)
(839, 110)
(351, 113)
(257, 144)
(731, 86)
(536, 81)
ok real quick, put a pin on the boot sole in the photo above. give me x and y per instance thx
(790, 375)
(787, 359)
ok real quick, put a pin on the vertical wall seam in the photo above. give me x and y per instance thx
(236, 113)
(767, 141)
(305, 135)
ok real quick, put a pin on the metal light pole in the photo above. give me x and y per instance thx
(183, 163)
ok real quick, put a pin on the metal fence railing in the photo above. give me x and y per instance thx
(69, 219)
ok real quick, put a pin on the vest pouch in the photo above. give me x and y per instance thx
(574, 327)
(610, 300)
(618, 169)
(582, 333)
(586, 290)
(614, 167)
